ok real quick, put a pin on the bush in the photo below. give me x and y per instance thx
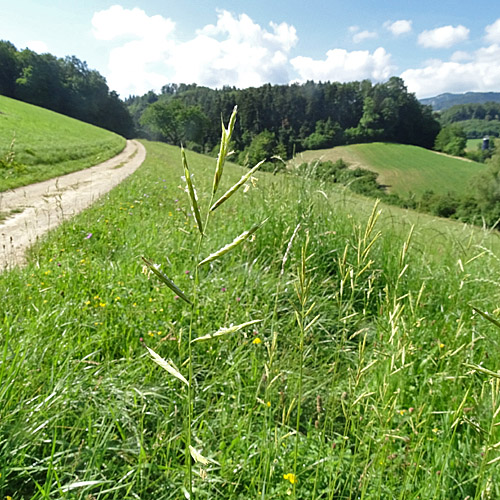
(451, 140)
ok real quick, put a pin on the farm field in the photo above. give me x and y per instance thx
(404, 169)
(37, 144)
(366, 377)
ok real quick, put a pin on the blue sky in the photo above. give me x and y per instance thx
(435, 46)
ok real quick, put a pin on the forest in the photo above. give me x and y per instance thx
(476, 119)
(283, 119)
(65, 85)
(274, 119)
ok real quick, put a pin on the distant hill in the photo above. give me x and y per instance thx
(445, 101)
(403, 168)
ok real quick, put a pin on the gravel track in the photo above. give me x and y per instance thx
(35, 209)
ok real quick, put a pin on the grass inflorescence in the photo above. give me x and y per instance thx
(370, 375)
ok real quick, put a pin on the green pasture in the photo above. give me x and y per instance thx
(37, 144)
(473, 144)
(367, 325)
(404, 169)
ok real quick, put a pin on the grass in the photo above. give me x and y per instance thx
(357, 383)
(46, 144)
(405, 169)
(473, 144)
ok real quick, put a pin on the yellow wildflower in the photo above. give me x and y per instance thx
(256, 340)
(290, 477)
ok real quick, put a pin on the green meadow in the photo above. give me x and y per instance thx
(37, 144)
(369, 375)
(404, 169)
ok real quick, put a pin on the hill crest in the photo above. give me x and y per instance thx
(447, 100)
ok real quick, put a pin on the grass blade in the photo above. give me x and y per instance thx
(224, 147)
(199, 458)
(192, 192)
(487, 317)
(166, 366)
(232, 190)
(483, 370)
(238, 240)
(226, 331)
(163, 277)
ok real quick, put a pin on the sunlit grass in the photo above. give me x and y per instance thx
(46, 144)
(389, 406)
(405, 169)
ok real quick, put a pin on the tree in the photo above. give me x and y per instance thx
(326, 135)
(262, 147)
(9, 69)
(176, 122)
(451, 140)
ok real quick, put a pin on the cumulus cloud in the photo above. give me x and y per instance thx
(460, 56)
(234, 51)
(118, 22)
(364, 35)
(400, 27)
(343, 66)
(37, 46)
(360, 36)
(136, 64)
(443, 37)
(493, 32)
(480, 74)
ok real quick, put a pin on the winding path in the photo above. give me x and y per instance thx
(35, 209)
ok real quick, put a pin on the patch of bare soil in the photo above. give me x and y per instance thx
(35, 209)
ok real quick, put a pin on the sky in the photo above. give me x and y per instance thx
(434, 46)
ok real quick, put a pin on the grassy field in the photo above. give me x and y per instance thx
(473, 144)
(362, 380)
(404, 169)
(37, 144)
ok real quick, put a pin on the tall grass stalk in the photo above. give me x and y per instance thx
(190, 452)
(302, 312)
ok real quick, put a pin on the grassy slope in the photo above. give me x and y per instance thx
(403, 168)
(389, 410)
(48, 144)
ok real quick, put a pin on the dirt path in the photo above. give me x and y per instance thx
(35, 209)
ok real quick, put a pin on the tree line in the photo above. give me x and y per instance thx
(65, 85)
(476, 119)
(273, 119)
(285, 119)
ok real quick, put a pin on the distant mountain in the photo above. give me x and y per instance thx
(445, 101)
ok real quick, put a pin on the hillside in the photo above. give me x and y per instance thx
(361, 380)
(447, 100)
(404, 169)
(37, 144)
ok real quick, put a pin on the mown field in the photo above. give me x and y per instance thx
(363, 379)
(404, 169)
(37, 144)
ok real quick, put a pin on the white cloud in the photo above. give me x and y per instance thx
(37, 46)
(119, 22)
(235, 51)
(493, 32)
(360, 36)
(481, 74)
(400, 27)
(343, 66)
(135, 66)
(461, 56)
(443, 37)
(364, 35)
